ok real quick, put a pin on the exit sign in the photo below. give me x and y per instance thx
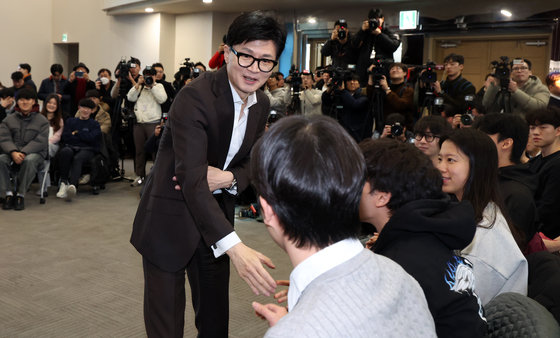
(408, 20)
(64, 37)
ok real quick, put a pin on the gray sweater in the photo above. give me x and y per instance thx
(367, 296)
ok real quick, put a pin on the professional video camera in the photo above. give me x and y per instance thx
(184, 73)
(124, 68)
(149, 74)
(467, 117)
(294, 79)
(339, 75)
(429, 76)
(378, 71)
(502, 71)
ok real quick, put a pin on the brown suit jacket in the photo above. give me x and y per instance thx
(169, 224)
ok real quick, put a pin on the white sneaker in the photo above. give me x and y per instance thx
(62, 191)
(137, 181)
(71, 192)
(84, 179)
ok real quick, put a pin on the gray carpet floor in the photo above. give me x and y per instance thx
(67, 269)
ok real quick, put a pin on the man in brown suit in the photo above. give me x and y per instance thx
(213, 124)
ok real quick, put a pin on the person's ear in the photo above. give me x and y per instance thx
(269, 216)
(382, 198)
(227, 52)
(507, 143)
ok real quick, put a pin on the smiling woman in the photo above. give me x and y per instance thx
(468, 162)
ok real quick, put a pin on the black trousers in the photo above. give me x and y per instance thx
(71, 161)
(164, 296)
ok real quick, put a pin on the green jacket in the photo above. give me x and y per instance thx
(532, 96)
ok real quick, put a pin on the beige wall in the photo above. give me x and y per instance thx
(193, 38)
(26, 38)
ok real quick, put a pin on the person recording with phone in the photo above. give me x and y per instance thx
(148, 96)
(340, 47)
(78, 84)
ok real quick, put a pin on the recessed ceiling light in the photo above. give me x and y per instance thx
(207, 1)
(312, 20)
(149, 10)
(505, 12)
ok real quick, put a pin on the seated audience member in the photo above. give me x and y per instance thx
(279, 96)
(526, 93)
(104, 84)
(18, 82)
(23, 143)
(78, 84)
(7, 102)
(54, 84)
(516, 181)
(217, 60)
(544, 125)
(81, 139)
(98, 114)
(468, 163)
(52, 110)
(553, 84)
(25, 69)
(419, 228)
(427, 133)
(398, 96)
(337, 288)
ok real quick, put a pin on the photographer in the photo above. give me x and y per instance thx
(340, 47)
(309, 96)
(160, 78)
(148, 96)
(279, 96)
(525, 92)
(350, 107)
(398, 96)
(127, 74)
(374, 41)
(455, 87)
(104, 85)
(78, 84)
(395, 128)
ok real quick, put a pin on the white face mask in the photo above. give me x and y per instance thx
(104, 80)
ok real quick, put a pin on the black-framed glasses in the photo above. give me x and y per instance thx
(247, 60)
(428, 136)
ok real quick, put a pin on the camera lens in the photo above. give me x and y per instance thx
(396, 129)
(149, 80)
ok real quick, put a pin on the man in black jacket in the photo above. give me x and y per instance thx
(374, 41)
(517, 183)
(419, 228)
(340, 47)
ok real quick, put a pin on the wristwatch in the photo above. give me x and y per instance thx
(233, 184)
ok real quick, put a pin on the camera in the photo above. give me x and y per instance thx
(342, 32)
(467, 117)
(378, 71)
(149, 74)
(429, 76)
(184, 73)
(124, 68)
(374, 24)
(438, 106)
(502, 71)
(295, 79)
(396, 129)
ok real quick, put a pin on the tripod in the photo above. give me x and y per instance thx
(294, 108)
(376, 108)
(428, 102)
(503, 100)
(118, 129)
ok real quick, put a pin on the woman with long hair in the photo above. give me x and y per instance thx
(52, 110)
(468, 162)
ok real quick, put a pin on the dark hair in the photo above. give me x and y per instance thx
(400, 65)
(26, 93)
(157, 64)
(506, 126)
(135, 61)
(351, 76)
(313, 184)
(437, 125)
(55, 122)
(549, 115)
(529, 63)
(16, 76)
(224, 38)
(56, 68)
(277, 75)
(375, 13)
(454, 58)
(25, 66)
(93, 93)
(482, 187)
(81, 65)
(86, 102)
(200, 64)
(552, 78)
(7, 92)
(104, 70)
(341, 23)
(394, 118)
(254, 26)
(401, 169)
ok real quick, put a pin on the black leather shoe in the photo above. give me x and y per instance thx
(95, 190)
(19, 205)
(9, 203)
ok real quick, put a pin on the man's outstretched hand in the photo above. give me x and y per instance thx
(249, 266)
(271, 312)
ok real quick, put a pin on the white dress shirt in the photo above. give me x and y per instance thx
(237, 136)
